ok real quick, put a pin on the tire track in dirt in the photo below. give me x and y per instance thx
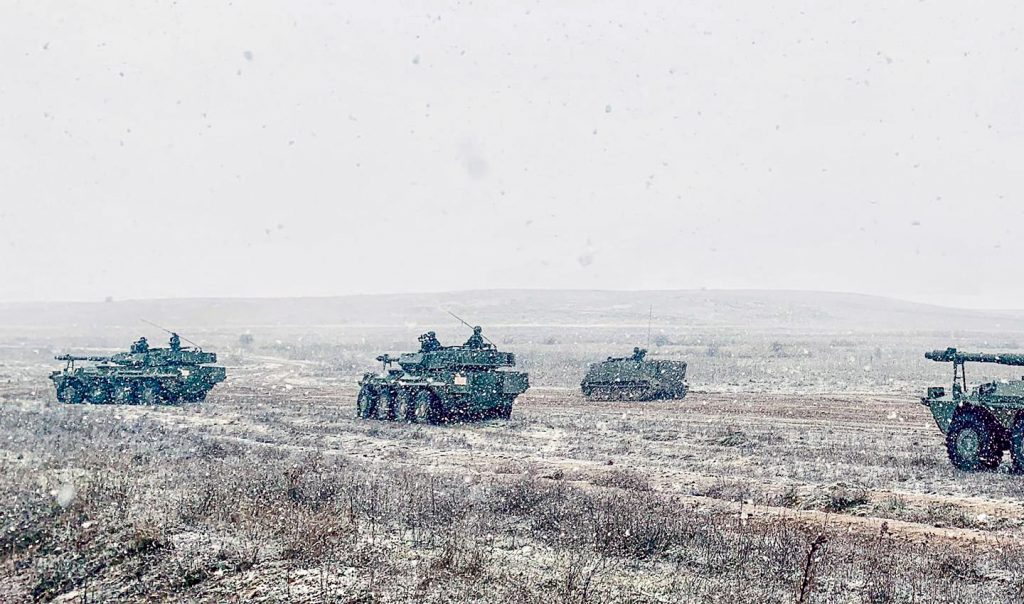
(239, 405)
(485, 455)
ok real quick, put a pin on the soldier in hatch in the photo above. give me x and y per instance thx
(476, 341)
(638, 354)
(175, 342)
(429, 342)
(141, 346)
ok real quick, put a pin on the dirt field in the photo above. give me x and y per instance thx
(272, 491)
(800, 466)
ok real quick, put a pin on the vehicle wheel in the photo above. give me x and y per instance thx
(1017, 445)
(170, 396)
(366, 404)
(587, 391)
(973, 442)
(386, 405)
(404, 406)
(149, 394)
(124, 394)
(424, 408)
(70, 392)
(98, 392)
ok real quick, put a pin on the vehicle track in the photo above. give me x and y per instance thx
(545, 424)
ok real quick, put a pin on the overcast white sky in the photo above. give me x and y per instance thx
(315, 148)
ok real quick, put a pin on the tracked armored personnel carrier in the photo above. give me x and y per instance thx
(143, 375)
(982, 423)
(443, 383)
(635, 378)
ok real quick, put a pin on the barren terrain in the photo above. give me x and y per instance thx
(801, 463)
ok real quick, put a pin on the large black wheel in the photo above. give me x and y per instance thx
(170, 396)
(386, 405)
(974, 442)
(425, 408)
(71, 392)
(124, 394)
(505, 410)
(98, 392)
(366, 403)
(149, 393)
(1017, 445)
(404, 406)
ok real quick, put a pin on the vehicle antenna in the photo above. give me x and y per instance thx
(469, 326)
(650, 318)
(172, 333)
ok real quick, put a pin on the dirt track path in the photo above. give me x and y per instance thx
(737, 454)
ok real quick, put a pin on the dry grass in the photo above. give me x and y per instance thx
(122, 508)
(271, 491)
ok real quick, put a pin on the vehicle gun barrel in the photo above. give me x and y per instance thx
(952, 355)
(72, 357)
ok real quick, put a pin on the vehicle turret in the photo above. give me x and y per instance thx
(456, 357)
(152, 357)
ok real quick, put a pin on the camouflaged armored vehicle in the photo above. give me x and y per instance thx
(984, 422)
(635, 378)
(442, 383)
(143, 375)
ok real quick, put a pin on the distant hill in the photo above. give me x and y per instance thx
(740, 309)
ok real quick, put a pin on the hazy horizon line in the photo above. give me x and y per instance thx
(895, 297)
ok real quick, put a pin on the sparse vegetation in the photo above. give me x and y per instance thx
(272, 491)
(328, 525)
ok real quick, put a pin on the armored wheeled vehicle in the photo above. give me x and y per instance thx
(983, 423)
(635, 378)
(443, 383)
(143, 375)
